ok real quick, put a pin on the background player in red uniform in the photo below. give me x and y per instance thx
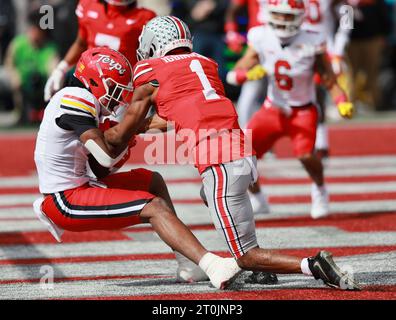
(116, 24)
(186, 89)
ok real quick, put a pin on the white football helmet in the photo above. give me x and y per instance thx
(162, 35)
(285, 16)
(120, 2)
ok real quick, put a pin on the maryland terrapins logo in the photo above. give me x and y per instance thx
(80, 67)
(113, 64)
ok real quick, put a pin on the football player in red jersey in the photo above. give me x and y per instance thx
(116, 24)
(73, 201)
(186, 89)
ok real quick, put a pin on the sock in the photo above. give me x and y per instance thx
(322, 140)
(305, 267)
(321, 188)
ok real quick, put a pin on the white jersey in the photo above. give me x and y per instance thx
(61, 159)
(290, 69)
(321, 18)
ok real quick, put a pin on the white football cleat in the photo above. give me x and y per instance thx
(52, 227)
(259, 203)
(221, 271)
(320, 202)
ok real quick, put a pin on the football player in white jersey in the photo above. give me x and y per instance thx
(69, 137)
(290, 57)
(323, 17)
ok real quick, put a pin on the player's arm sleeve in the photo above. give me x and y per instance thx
(76, 123)
(80, 104)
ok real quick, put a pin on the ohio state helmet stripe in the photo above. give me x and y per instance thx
(181, 28)
(178, 25)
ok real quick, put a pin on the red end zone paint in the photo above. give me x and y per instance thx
(365, 222)
(345, 140)
(28, 238)
(368, 293)
(337, 251)
(374, 222)
(16, 154)
(353, 139)
(355, 222)
(93, 278)
(346, 197)
(286, 180)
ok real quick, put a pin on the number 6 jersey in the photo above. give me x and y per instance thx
(192, 96)
(290, 68)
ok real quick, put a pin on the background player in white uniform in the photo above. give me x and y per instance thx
(69, 136)
(290, 56)
(323, 17)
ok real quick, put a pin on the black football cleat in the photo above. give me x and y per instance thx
(259, 277)
(323, 267)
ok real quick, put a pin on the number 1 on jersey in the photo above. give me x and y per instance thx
(208, 91)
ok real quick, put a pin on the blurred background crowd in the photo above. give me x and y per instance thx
(28, 54)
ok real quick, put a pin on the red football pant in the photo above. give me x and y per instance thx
(88, 208)
(270, 123)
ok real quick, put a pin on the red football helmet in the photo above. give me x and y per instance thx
(108, 75)
(120, 2)
(285, 16)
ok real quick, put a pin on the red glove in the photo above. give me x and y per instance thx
(107, 124)
(233, 38)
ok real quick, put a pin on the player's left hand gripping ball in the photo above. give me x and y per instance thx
(256, 73)
(346, 109)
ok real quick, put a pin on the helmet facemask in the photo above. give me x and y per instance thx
(116, 96)
(285, 24)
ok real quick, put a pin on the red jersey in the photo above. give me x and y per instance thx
(256, 11)
(115, 27)
(191, 95)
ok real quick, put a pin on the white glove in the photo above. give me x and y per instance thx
(56, 80)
